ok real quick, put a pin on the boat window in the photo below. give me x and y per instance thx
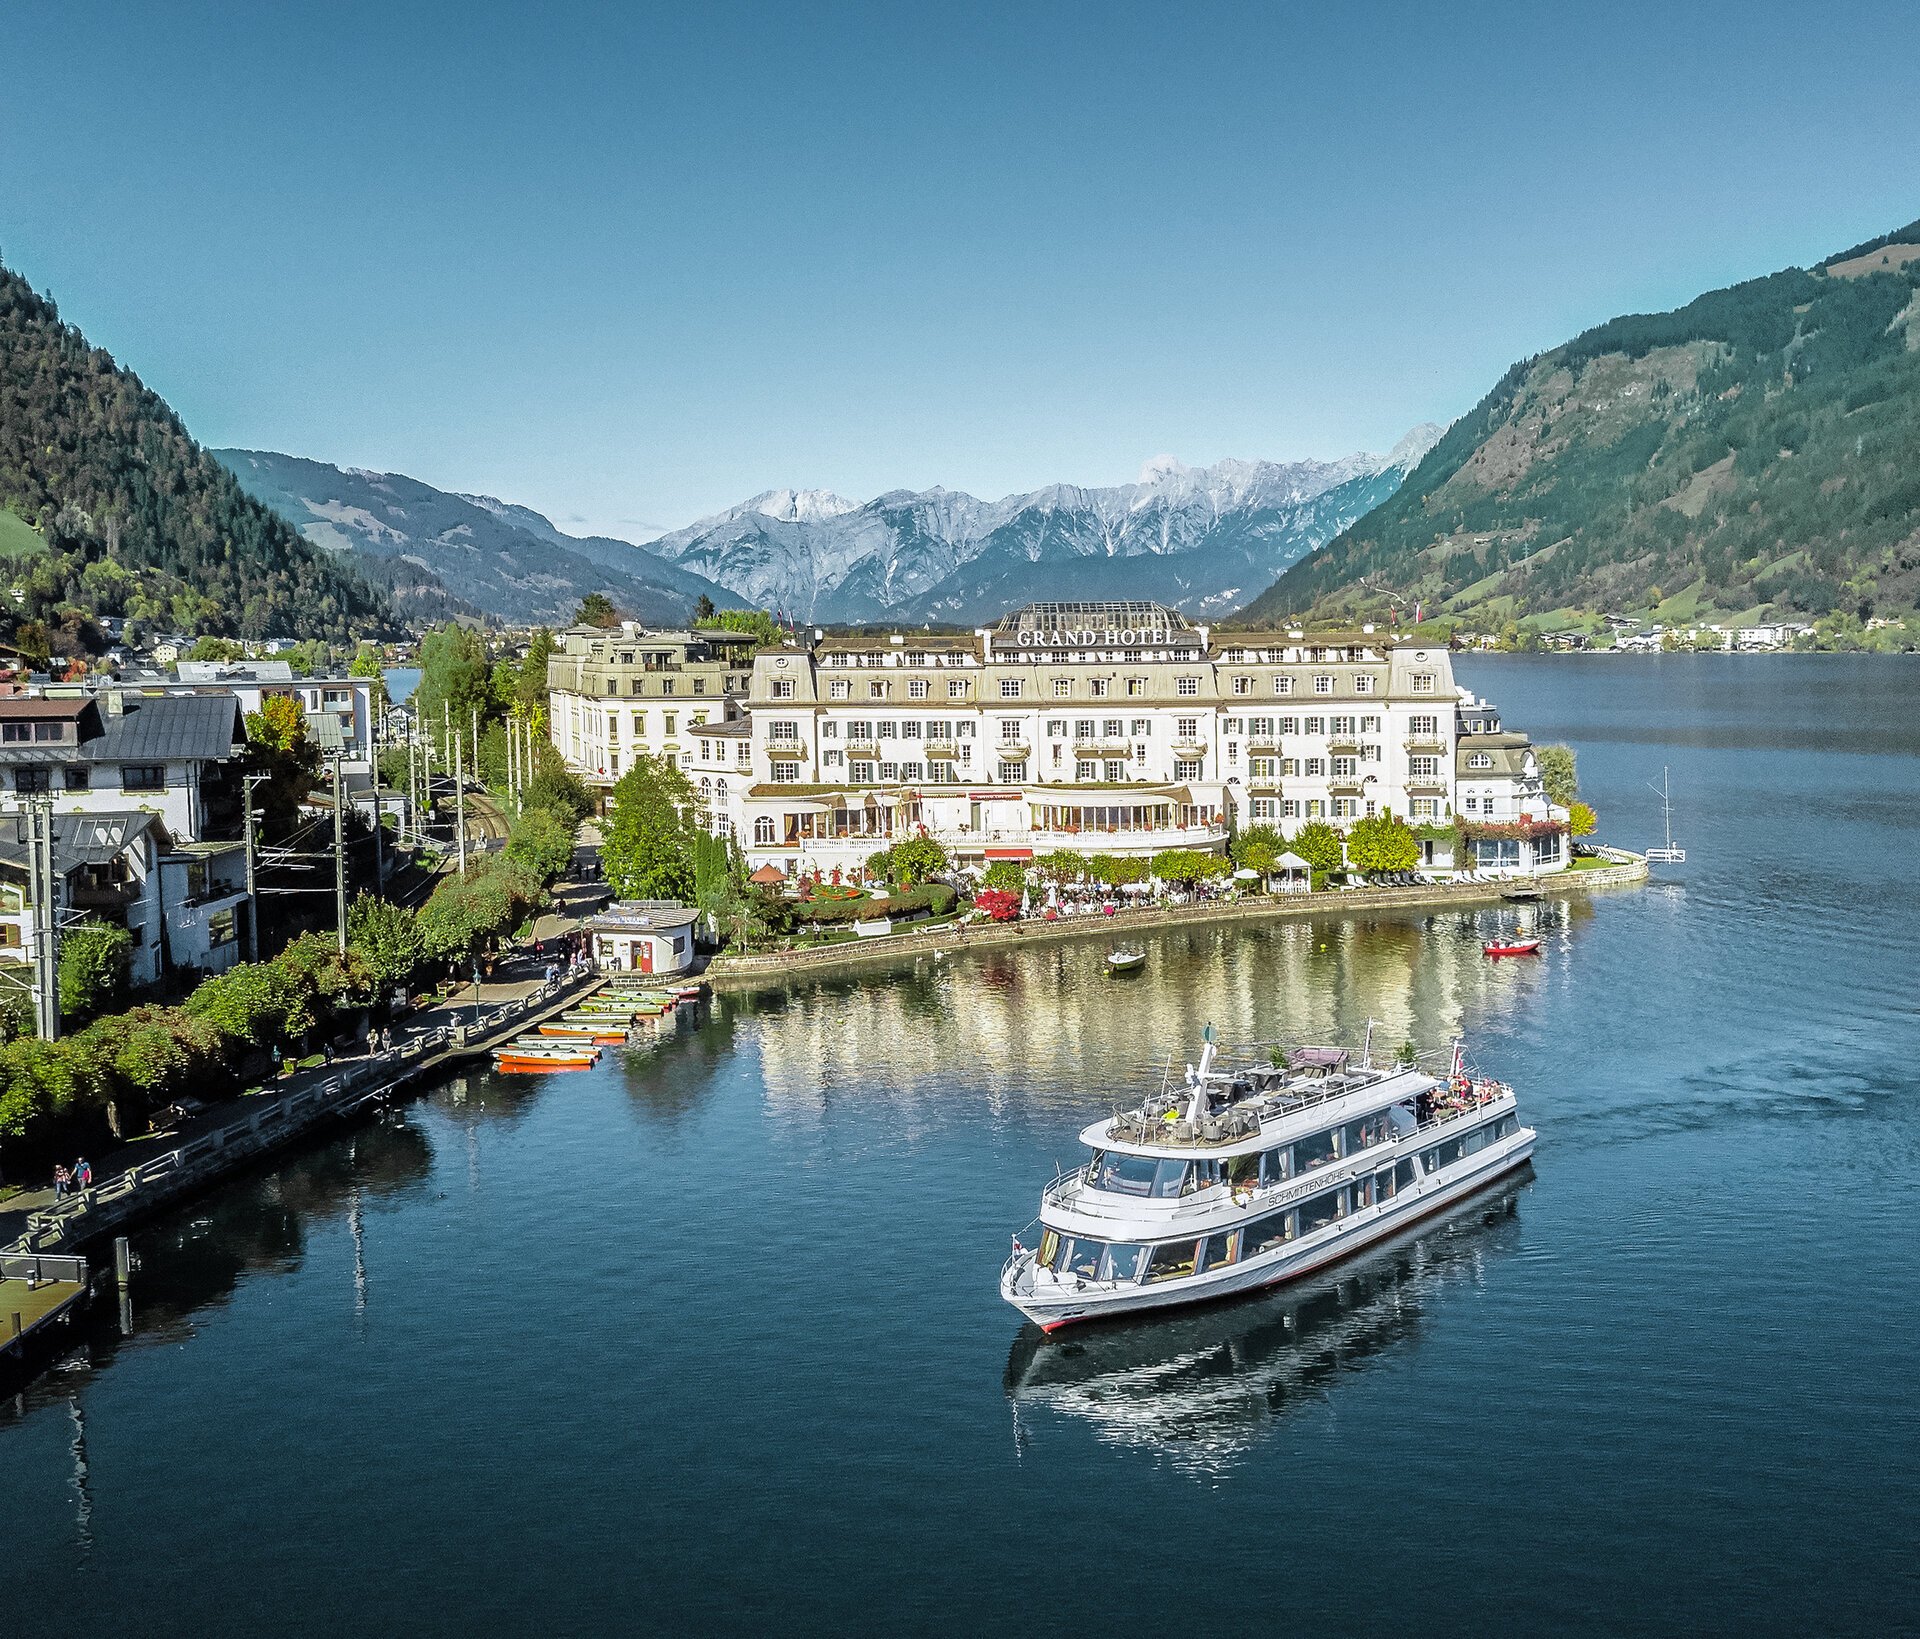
(1321, 1210)
(1136, 1175)
(1266, 1232)
(1402, 1176)
(1383, 1189)
(1366, 1132)
(1171, 1260)
(1122, 1262)
(1444, 1155)
(1506, 1126)
(1312, 1152)
(1080, 1256)
(1276, 1166)
(1405, 1122)
(1362, 1192)
(1216, 1251)
(1049, 1248)
(1243, 1170)
(1476, 1140)
(1200, 1174)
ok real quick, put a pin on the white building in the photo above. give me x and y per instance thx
(1097, 727)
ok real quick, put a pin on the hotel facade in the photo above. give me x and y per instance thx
(1112, 727)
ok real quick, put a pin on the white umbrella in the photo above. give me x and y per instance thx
(1134, 887)
(1245, 874)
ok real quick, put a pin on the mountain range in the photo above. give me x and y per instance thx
(1750, 455)
(1203, 539)
(488, 556)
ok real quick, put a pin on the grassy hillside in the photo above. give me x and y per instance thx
(1751, 453)
(138, 519)
(18, 538)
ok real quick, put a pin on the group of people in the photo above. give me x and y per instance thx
(69, 1180)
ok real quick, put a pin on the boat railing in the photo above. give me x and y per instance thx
(1228, 1127)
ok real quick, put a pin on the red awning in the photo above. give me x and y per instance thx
(767, 875)
(1009, 853)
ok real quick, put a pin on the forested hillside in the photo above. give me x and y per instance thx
(136, 518)
(1751, 453)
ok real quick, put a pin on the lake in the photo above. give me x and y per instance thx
(707, 1338)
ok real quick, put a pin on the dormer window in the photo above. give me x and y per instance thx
(1480, 759)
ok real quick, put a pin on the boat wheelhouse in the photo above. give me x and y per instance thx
(1249, 1176)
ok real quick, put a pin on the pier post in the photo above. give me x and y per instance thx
(122, 1261)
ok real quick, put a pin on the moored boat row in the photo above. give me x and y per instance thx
(574, 1038)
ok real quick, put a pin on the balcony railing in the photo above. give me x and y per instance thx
(1426, 782)
(1425, 742)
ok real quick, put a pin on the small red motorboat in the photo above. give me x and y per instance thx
(1513, 947)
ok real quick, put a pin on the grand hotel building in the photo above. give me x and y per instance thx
(1101, 727)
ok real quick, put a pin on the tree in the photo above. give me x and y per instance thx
(217, 648)
(1007, 875)
(596, 609)
(647, 852)
(917, 859)
(96, 961)
(1061, 866)
(279, 748)
(542, 840)
(1319, 845)
(1559, 773)
(703, 610)
(368, 662)
(1382, 842)
(1258, 848)
(455, 679)
(1581, 819)
(386, 938)
(1186, 866)
(531, 687)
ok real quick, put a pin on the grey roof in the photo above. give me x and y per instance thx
(84, 839)
(170, 728)
(234, 671)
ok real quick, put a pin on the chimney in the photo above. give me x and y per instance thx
(115, 703)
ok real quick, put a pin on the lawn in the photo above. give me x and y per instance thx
(18, 538)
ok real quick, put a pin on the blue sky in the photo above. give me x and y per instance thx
(630, 265)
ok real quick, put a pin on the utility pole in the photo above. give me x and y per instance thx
(339, 859)
(248, 782)
(46, 920)
(459, 803)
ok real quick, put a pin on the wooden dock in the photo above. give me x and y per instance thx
(41, 1295)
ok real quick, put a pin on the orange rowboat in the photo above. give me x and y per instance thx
(543, 1061)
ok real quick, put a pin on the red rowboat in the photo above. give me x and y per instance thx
(1517, 947)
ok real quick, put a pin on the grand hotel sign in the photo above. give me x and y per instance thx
(1098, 637)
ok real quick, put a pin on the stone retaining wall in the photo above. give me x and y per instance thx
(743, 972)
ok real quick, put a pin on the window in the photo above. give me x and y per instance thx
(763, 829)
(1423, 725)
(786, 773)
(833, 759)
(912, 773)
(1312, 1152)
(1056, 728)
(1261, 728)
(32, 780)
(1263, 1234)
(1243, 685)
(1423, 768)
(1323, 684)
(1084, 729)
(956, 688)
(889, 772)
(1480, 759)
(1316, 768)
(860, 729)
(1283, 685)
(910, 728)
(1289, 725)
(1099, 687)
(783, 731)
(876, 690)
(1423, 682)
(918, 688)
(1425, 808)
(1342, 726)
(1346, 808)
(1063, 688)
(143, 777)
(860, 773)
(672, 718)
(1116, 772)
(888, 729)
(1289, 807)
(829, 729)
(1262, 808)
(1316, 725)
(1187, 768)
(1187, 686)
(1011, 773)
(1112, 728)
(838, 689)
(79, 777)
(44, 732)
(222, 927)
(1322, 1210)
(1184, 728)
(783, 688)
(1345, 768)
(1172, 1260)
(1010, 688)
(1216, 1251)
(1136, 686)
(1142, 727)
(1232, 725)
(1136, 1175)
(15, 733)
(1262, 768)
(1085, 771)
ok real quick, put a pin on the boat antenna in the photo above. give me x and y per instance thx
(1197, 1105)
(1366, 1047)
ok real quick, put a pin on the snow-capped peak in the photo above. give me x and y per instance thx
(801, 505)
(1159, 467)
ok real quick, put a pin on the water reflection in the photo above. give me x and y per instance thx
(196, 1256)
(1048, 1025)
(1201, 1389)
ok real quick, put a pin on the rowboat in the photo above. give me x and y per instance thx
(608, 1034)
(1512, 947)
(526, 1047)
(535, 1066)
(544, 1058)
(1125, 961)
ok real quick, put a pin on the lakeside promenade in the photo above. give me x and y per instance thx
(744, 972)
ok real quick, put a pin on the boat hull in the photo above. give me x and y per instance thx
(1527, 947)
(1101, 1302)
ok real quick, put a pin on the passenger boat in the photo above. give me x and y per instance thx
(1511, 947)
(1126, 961)
(1244, 1178)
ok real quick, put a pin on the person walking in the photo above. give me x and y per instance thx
(62, 1182)
(83, 1174)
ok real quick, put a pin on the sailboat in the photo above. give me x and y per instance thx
(1669, 855)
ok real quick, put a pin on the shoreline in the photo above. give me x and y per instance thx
(761, 971)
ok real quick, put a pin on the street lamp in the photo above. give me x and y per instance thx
(476, 992)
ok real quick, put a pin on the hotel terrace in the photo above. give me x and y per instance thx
(1112, 727)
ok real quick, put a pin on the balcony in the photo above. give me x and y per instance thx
(1426, 742)
(1269, 744)
(943, 751)
(1189, 748)
(865, 749)
(1343, 745)
(1423, 783)
(102, 896)
(1346, 785)
(785, 751)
